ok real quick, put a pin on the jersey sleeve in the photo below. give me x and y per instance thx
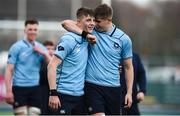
(13, 54)
(127, 47)
(65, 47)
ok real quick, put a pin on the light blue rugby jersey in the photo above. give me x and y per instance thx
(26, 62)
(106, 55)
(72, 49)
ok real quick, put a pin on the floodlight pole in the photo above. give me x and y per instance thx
(75, 4)
(21, 15)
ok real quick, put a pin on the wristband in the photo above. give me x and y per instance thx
(53, 92)
(84, 34)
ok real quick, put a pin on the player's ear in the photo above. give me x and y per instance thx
(78, 20)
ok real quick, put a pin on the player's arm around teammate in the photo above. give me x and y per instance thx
(71, 26)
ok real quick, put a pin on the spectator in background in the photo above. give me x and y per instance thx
(44, 80)
(22, 72)
(139, 86)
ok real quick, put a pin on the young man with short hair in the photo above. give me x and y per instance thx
(22, 72)
(68, 68)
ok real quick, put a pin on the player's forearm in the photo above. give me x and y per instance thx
(71, 26)
(52, 77)
(54, 62)
(129, 78)
(8, 79)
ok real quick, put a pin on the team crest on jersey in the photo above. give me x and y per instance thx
(60, 48)
(116, 45)
(9, 56)
(78, 48)
(24, 54)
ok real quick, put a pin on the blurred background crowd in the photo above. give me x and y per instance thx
(153, 26)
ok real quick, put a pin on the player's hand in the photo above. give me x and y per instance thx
(140, 96)
(54, 102)
(38, 50)
(91, 38)
(128, 100)
(9, 98)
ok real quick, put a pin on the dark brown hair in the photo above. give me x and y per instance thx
(48, 43)
(103, 11)
(31, 21)
(84, 12)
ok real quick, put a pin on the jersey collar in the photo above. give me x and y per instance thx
(28, 43)
(107, 32)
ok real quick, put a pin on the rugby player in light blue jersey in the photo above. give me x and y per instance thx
(22, 72)
(112, 48)
(67, 67)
